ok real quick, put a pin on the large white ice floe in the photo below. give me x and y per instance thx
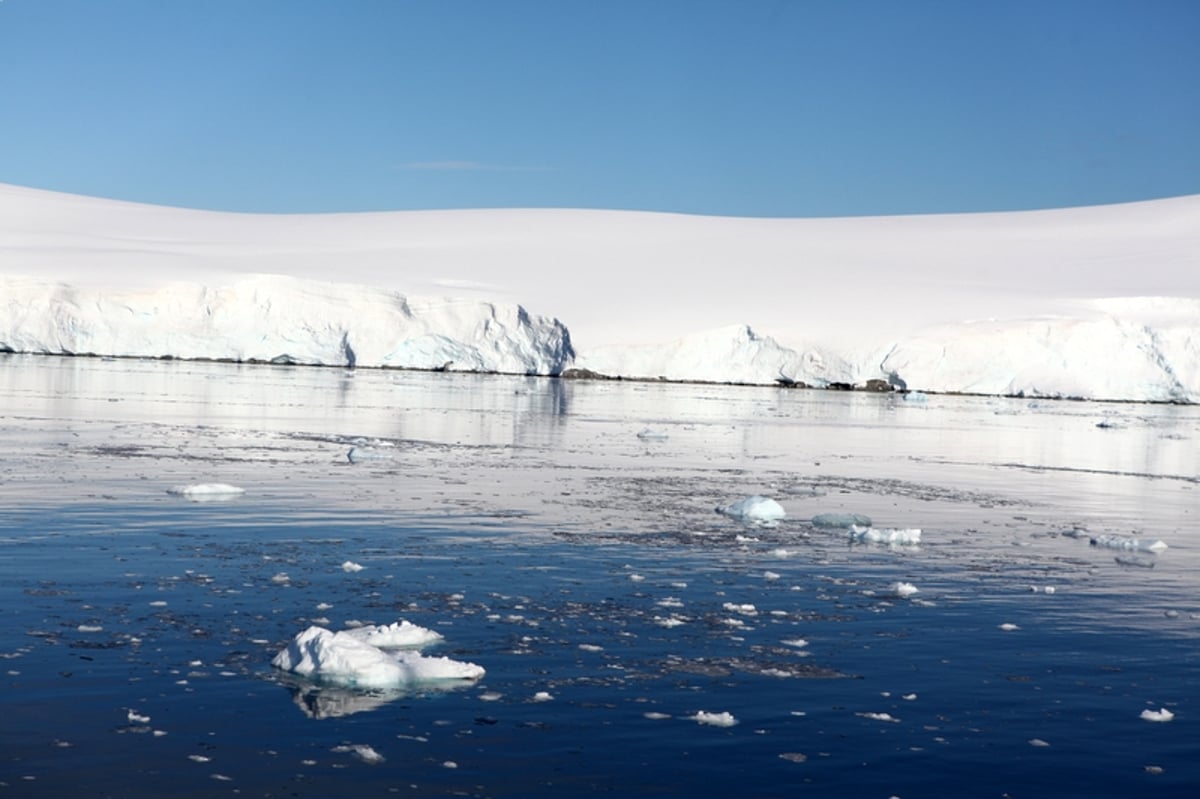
(754, 509)
(368, 660)
(1129, 544)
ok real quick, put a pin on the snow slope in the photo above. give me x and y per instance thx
(1097, 302)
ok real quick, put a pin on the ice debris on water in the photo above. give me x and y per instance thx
(360, 454)
(902, 590)
(872, 535)
(755, 509)
(1131, 544)
(649, 434)
(350, 566)
(370, 657)
(205, 491)
(724, 719)
(1008, 627)
(363, 752)
(841, 520)
(889, 718)
(1157, 715)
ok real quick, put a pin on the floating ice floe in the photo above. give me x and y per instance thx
(201, 492)
(1131, 544)
(889, 718)
(1008, 627)
(899, 537)
(1157, 715)
(917, 397)
(370, 657)
(360, 454)
(724, 719)
(649, 434)
(902, 590)
(363, 752)
(841, 520)
(754, 509)
(350, 566)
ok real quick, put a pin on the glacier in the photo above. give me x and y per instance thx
(1092, 303)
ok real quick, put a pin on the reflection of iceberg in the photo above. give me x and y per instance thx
(898, 537)
(755, 509)
(349, 660)
(329, 701)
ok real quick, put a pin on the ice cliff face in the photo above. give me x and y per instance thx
(281, 320)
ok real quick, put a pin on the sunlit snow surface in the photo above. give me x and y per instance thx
(522, 526)
(1099, 302)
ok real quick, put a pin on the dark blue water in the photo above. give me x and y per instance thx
(525, 522)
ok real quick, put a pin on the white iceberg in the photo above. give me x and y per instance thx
(1157, 715)
(895, 537)
(755, 509)
(347, 658)
(205, 491)
(723, 719)
(1127, 543)
(399, 635)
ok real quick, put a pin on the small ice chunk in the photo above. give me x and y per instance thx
(281, 578)
(1131, 544)
(841, 520)
(799, 643)
(200, 492)
(543, 696)
(915, 396)
(90, 628)
(363, 752)
(746, 609)
(591, 647)
(755, 509)
(771, 576)
(654, 715)
(649, 434)
(1008, 627)
(871, 535)
(1157, 715)
(136, 718)
(360, 454)
(350, 567)
(888, 717)
(1037, 742)
(903, 590)
(724, 719)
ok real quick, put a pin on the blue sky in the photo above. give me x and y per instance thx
(737, 107)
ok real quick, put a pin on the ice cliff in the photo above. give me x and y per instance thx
(1100, 303)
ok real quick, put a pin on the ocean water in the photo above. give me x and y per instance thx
(585, 569)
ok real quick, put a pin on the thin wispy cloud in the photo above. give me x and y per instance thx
(466, 166)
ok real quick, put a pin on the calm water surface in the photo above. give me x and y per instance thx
(526, 521)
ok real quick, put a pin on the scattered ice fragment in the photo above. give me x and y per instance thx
(199, 758)
(655, 715)
(543, 696)
(918, 397)
(491, 696)
(637, 578)
(323, 606)
(363, 752)
(903, 590)
(347, 658)
(771, 576)
(89, 628)
(1037, 742)
(841, 520)
(1008, 627)
(755, 509)
(794, 757)
(360, 454)
(591, 647)
(1132, 544)
(158, 603)
(745, 610)
(724, 719)
(880, 717)
(909, 697)
(137, 718)
(204, 491)
(281, 578)
(871, 535)
(799, 643)
(1157, 715)
(1153, 769)
(350, 566)
(449, 764)
(648, 434)
(671, 621)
